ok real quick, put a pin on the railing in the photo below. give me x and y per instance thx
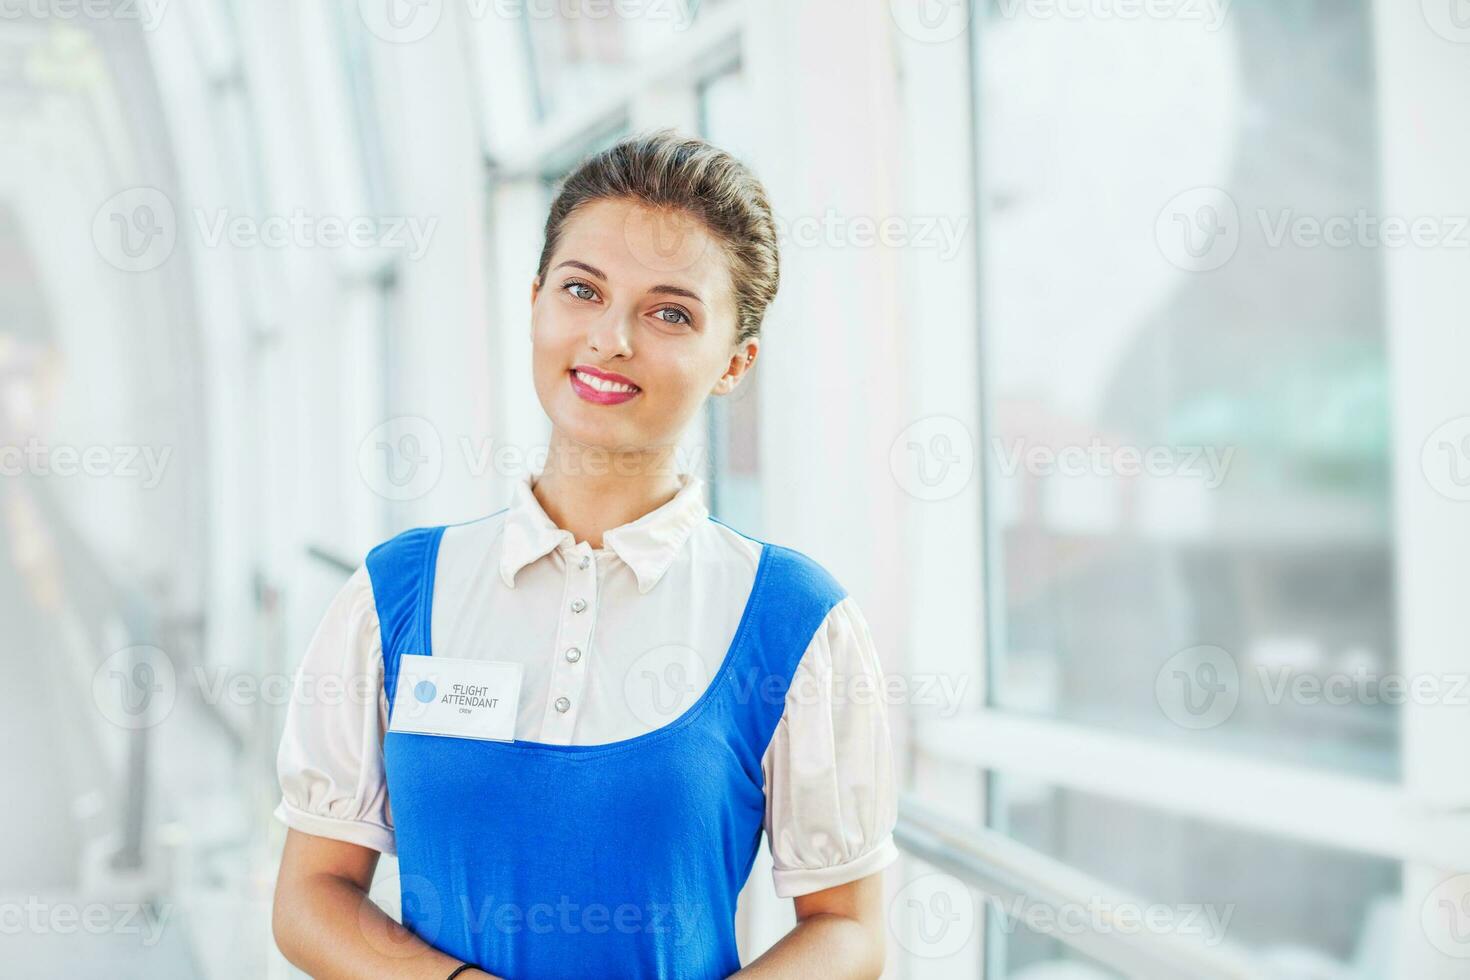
(1019, 878)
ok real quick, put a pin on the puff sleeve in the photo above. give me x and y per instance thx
(330, 761)
(831, 803)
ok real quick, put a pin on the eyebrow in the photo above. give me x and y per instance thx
(662, 288)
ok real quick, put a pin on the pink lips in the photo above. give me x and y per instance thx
(588, 393)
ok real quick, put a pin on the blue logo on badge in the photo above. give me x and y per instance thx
(425, 691)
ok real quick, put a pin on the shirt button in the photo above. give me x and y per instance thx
(562, 704)
(573, 655)
(578, 605)
(585, 562)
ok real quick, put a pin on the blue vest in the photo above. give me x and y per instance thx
(534, 860)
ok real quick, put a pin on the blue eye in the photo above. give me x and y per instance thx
(684, 317)
(574, 285)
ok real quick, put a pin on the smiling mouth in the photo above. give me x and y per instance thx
(599, 390)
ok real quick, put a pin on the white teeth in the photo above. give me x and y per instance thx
(601, 384)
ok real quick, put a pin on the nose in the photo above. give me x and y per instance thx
(610, 335)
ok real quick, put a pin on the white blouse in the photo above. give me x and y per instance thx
(660, 604)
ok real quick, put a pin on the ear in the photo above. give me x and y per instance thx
(535, 291)
(742, 360)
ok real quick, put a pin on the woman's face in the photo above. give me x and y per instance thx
(644, 296)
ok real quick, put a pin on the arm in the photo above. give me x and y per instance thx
(325, 924)
(831, 806)
(838, 934)
(334, 802)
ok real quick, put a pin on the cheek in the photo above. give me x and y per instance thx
(683, 380)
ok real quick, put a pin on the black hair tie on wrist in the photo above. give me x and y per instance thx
(458, 970)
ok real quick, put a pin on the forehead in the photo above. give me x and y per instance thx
(641, 246)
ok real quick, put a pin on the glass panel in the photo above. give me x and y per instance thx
(1186, 450)
(579, 47)
(733, 419)
(1308, 913)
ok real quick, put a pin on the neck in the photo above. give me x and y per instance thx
(588, 490)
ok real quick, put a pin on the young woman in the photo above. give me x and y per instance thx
(586, 707)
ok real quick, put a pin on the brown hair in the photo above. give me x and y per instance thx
(662, 169)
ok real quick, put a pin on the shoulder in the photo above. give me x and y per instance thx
(408, 552)
(402, 553)
(790, 570)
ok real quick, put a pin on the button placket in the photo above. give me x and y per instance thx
(568, 672)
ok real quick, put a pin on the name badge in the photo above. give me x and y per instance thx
(456, 697)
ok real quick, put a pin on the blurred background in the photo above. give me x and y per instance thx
(1118, 370)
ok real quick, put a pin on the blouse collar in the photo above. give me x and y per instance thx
(647, 545)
